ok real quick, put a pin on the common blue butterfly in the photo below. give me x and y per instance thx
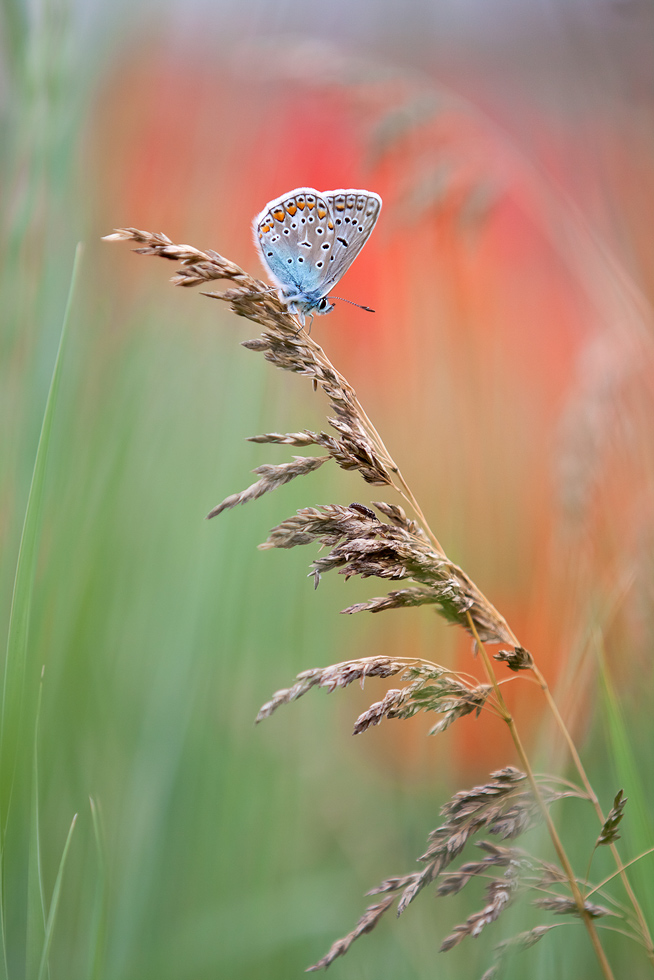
(308, 239)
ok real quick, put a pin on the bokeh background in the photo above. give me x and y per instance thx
(509, 368)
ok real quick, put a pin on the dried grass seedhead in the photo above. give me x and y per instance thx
(497, 856)
(356, 542)
(197, 266)
(432, 688)
(609, 833)
(366, 923)
(398, 548)
(499, 894)
(525, 940)
(445, 695)
(505, 807)
(337, 675)
(516, 659)
(566, 906)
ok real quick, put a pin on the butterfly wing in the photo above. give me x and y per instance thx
(354, 214)
(295, 240)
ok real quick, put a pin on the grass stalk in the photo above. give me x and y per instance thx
(99, 919)
(549, 823)
(36, 901)
(54, 904)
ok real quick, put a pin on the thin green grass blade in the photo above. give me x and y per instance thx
(17, 638)
(36, 904)
(12, 722)
(56, 893)
(98, 928)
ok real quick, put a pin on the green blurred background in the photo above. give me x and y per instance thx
(509, 369)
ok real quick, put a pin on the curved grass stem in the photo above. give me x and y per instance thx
(556, 840)
(592, 796)
(404, 489)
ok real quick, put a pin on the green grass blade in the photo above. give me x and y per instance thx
(17, 638)
(98, 928)
(12, 726)
(36, 905)
(56, 892)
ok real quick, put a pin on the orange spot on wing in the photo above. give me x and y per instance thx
(279, 214)
(321, 213)
(340, 207)
(300, 203)
(292, 209)
(330, 225)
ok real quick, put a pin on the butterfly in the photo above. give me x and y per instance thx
(308, 239)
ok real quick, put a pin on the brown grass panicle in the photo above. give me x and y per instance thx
(505, 807)
(393, 547)
(432, 688)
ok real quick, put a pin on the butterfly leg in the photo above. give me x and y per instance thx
(293, 311)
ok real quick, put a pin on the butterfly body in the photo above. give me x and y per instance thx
(308, 239)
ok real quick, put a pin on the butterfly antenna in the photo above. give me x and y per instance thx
(352, 303)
